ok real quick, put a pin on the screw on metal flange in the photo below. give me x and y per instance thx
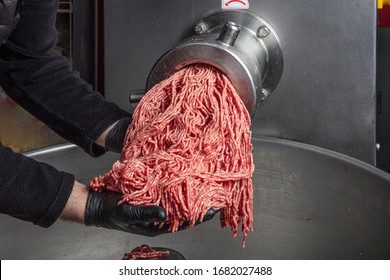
(263, 32)
(264, 94)
(201, 28)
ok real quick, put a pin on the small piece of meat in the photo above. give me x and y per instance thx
(145, 252)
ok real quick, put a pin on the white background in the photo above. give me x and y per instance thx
(49, 270)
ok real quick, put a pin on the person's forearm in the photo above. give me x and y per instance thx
(75, 207)
(101, 141)
(30, 190)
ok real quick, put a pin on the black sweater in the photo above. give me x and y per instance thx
(43, 82)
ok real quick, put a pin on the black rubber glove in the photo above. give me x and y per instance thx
(103, 211)
(116, 136)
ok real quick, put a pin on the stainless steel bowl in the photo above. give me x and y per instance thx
(309, 203)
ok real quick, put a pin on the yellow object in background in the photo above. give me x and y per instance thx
(20, 131)
(382, 3)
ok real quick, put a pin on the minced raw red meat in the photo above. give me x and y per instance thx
(187, 150)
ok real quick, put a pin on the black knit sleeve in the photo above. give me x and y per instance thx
(42, 81)
(32, 191)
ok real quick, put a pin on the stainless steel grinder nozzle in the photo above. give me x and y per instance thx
(240, 44)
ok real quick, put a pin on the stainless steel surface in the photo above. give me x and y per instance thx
(309, 203)
(383, 128)
(230, 42)
(326, 95)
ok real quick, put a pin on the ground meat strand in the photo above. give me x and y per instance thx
(187, 150)
(145, 252)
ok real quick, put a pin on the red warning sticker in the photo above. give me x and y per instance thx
(235, 4)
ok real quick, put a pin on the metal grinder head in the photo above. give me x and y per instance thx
(240, 44)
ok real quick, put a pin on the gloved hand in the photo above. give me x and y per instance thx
(103, 211)
(116, 136)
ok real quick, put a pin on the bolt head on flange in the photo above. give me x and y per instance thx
(263, 32)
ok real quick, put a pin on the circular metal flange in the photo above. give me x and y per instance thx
(251, 60)
(264, 32)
